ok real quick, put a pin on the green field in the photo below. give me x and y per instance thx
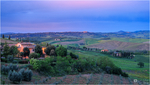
(90, 41)
(137, 40)
(128, 65)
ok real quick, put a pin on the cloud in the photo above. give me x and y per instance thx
(73, 15)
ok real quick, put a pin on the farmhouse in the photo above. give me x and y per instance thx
(117, 53)
(22, 45)
(30, 46)
(57, 39)
(105, 50)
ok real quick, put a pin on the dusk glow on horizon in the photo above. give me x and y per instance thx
(62, 16)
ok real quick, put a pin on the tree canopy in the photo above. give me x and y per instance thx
(49, 48)
(38, 49)
(13, 50)
(61, 51)
(6, 50)
(26, 51)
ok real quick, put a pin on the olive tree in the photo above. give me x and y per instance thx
(6, 50)
(49, 48)
(13, 50)
(38, 49)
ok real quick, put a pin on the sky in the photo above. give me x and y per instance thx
(62, 16)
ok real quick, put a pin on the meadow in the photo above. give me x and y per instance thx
(127, 65)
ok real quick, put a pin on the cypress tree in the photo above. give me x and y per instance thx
(3, 36)
(9, 37)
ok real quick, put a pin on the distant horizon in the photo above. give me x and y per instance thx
(75, 31)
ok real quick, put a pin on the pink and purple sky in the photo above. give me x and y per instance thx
(61, 16)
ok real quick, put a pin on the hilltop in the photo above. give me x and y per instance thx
(84, 34)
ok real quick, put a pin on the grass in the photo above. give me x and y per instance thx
(90, 41)
(123, 63)
(69, 40)
(137, 40)
(74, 45)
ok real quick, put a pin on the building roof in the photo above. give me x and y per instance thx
(29, 46)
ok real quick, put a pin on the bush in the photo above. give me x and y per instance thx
(3, 60)
(26, 74)
(124, 74)
(13, 67)
(10, 58)
(23, 62)
(74, 56)
(61, 51)
(108, 69)
(104, 61)
(117, 71)
(33, 55)
(6, 69)
(14, 76)
(15, 61)
(141, 64)
(38, 55)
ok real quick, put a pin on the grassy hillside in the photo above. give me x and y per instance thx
(118, 45)
(128, 65)
(137, 40)
(8, 41)
(90, 41)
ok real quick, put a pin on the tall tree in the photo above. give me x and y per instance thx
(38, 49)
(49, 48)
(6, 50)
(52, 52)
(13, 50)
(61, 51)
(26, 51)
(9, 37)
(3, 36)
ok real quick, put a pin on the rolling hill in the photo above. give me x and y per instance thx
(118, 45)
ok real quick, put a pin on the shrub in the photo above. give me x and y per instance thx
(14, 76)
(10, 58)
(13, 67)
(38, 55)
(23, 62)
(26, 74)
(61, 51)
(33, 55)
(34, 63)
(108, 69)
(5, 69)
(117, 71)
(15, 61)
(3, 60)
(141, 64)
(74, 56)
(103, 62)
(125, 74)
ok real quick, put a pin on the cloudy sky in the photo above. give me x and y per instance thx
(60, 16)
